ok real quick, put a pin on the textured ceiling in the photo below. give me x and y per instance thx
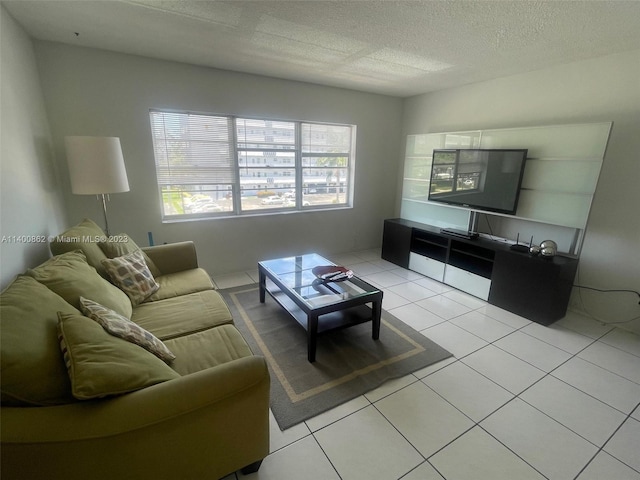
(399, 48)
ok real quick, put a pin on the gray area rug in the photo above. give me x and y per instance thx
(348, 363)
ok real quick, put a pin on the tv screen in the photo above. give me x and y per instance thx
(480, 179)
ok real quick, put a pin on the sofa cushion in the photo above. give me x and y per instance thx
(206, 349)
(70, 276)
(85, 236)
(120, 327)
(100, 364)
(122, 244)
(33, 371)
(131, 275)
(181, 283)
(174, 317)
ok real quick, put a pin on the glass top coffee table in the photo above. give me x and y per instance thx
(317, 305)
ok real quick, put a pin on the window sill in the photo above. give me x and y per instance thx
(253, 215)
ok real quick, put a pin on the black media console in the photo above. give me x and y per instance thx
(533, 287)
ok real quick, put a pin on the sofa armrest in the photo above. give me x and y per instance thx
(173, 257)
(203, 425)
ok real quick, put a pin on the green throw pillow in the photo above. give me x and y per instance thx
(121, 327)
(33, 372)
(70, 276)
(122, 244)
(100, 364)
(85, 236)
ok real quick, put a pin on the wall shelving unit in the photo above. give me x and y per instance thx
(560, 180)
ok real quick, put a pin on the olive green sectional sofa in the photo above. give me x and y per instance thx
(184, 399)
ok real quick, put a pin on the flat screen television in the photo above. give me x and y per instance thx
(479, 179)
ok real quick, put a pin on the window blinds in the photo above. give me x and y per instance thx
(192, 149)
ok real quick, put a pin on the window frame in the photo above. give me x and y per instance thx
(298, 169)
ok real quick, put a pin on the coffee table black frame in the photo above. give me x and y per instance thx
(319, 307)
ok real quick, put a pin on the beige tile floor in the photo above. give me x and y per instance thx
(517, 401)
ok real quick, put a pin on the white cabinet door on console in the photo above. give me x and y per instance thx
(426, 266)
(467, 282)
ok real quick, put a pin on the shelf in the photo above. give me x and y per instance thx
(471, 249)
(566, 159)
(430, 245)
(439, 254)
(554, 192)
(471, 263)
(436, 239)
(326, 322)
(422, 241)
(473, 258)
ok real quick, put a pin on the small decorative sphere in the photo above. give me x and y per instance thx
(548, 248)
(534, 250)
(548, 251)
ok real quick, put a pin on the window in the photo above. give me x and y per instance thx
(213, 166)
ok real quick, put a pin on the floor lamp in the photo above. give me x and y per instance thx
(96, 167)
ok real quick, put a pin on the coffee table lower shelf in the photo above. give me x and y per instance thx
(331, 320)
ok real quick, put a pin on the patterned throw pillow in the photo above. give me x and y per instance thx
(121, 327)
(131, 274)
(122, 244)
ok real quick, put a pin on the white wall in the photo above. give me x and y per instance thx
(602, 89)
(95, 92)
(30, 203)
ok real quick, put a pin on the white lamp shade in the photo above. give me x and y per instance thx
(96, 165)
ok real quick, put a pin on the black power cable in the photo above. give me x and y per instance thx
(609, 290)
(604, 322)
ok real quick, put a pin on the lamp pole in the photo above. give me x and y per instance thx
(103, 198)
